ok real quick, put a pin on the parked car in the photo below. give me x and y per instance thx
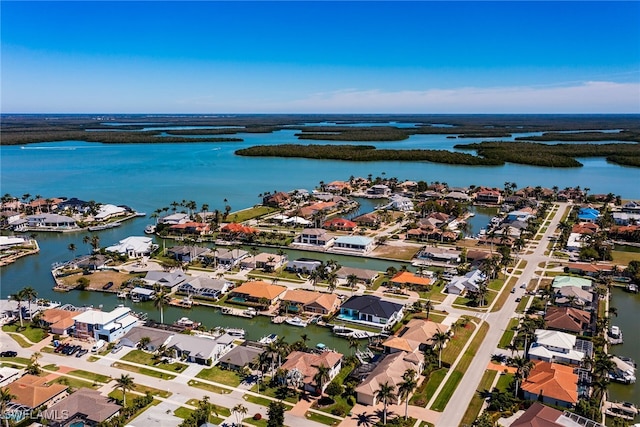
(518, 299)
(513, 290)
(82, 352)
(8, 354)
(116, 348)
(98, 345)
(108, 285)
(523, 286)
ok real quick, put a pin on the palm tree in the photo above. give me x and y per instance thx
(239, 411)
(332, 281)
(124, 383)
(353, 343)
(321, 378)
(523, 367)
(406, 387)
(428, 306)
(162, 299)
(144, 342)
(19, 297)
(440, 340)
(30, 295)
(385, 394)
(5, 398)
(352, 281)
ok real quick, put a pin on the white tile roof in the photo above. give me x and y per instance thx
(98, 317)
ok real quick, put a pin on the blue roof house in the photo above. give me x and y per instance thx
(588, 214)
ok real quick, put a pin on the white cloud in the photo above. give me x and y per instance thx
(587, 97)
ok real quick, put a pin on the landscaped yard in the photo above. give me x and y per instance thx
(221, 376)
(208, 387)
(74, 383)
(32, 333)
(144, 371)
(90, 376)
(509, 333)
(217, 409)
(254, 212)
(283, 393)
(473, 410)
(428, 388)
(323, 419)
(144, 358)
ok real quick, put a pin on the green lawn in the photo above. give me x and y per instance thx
(17, 359)
(144, 358)
(447, 391)
(456, 343)
(90, 376)
(473, 410)
(20, 340)
(208, 387)
(322, 419)
(504, 381)
(74, 383)
(219, 410)
(509, 333)
(522, 304)
(427, 388)
(182, 412)
(257, 400)
(287, 394)
(144, 371)
(32, 333)
(52, 367)
(259, 423)
(221, 376)
(254, 212)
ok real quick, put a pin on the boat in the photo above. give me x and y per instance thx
(321, 346)
(104, 226)
(296, 321)
(123, 294)
(615, 335)
(186, 323)
(185, 302)
(624, 410)
(268, 339)
(135, 299)
(235, 332)
(150, 229)
(633, 288)
(342, 330)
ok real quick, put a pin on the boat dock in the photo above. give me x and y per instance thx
(624, 410)
(278, 319)
(248, 313)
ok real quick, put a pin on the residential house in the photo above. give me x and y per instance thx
(588, 214)
(235, 231)
(622, 218)
(539, 415)
(552, 384)
(229, 258)
(9, 375)
(58, 321)
(370, 220)
(307, 365)
(277, 200)
(339, 187)
(32, 391)
(157, 337)
(379, 190)
(588, 269)
(574, 242)
(50, 221)
(364, 276)
(302, 300)
(340, 224)
(142, 294)
(102, 325)
(10, 217)
(470, 282)
(560, 347)
(360, 244)
(242, 355)
(315, 208)
(255, 292)
(491, 197)
(173, 219)
(458, 196)
(85, 407)
(168, 281)
(192, 228)
(439, 254)
(414, 337)
(589, 228)
(92, 262)
(370, 310)
(108, 211)
(264, 260)
(205, 287)
(134, 247)
(388, 371)
(399, 203)
(561, 281)
(573, 296)
(188, 253)
(315, 237)
(405, 278)
(568, 319)
(632, 206)
(520, 215)
(204, 350)
(303, 265)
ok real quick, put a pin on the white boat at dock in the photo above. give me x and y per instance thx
(186, 323)
(296, 321)
(235, 332)
(343, 331)
(268, 339)
(248, 313)
(624, 410)
(615, 335)
(104, 226)
(123, 294)
(150, 229)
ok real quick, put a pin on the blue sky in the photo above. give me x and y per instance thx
(320, 57)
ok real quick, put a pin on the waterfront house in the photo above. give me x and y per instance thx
(9, 218)
(490, 197)
(102, 325)
(458, 196)
(568, 319)
(84, 407)
(41, 204)
(522, 215)
(399, 203)
(191, 228)
(370, 220)
(370, 310)
(338, 187)
(58, 321)
(588, 269)
(470, 282)
(406, 278)
(134, 247)
(389, 370)
(109, 211)
(561, 281)
(363, 275)
(188, 253)
(142, 294)
(414, 337)
(302, 300)
(439, 254)
(33, 392)
(311, 210)
(539, 415)
(560, 347)
(632, 206)
(50, 221)
(167, 281)
(573, 296)
(588, 214)
(622, 218)
(242, 355)
(303, 265)
(157, 337)
(205, 287)
(314, 237)
(257, 293)
(380, 190)
(277, 200)
(173, 219)
(307, 364)
(264, 260)
(92, 262)
(359, 244)
(552, 384)
(229, 258)
(200, 349)
(235, 231)
(340, 224)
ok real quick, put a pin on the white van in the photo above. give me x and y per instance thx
(97, 346)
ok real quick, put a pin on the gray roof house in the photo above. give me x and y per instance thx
(84, 407)
(205, 287)
(470, 282)
(200, 349)
(230, 257)
(363, 275)
(188, 253)
(370, 310)
(164, 279)
(241, 356)
(158, 337)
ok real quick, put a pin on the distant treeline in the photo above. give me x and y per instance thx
(625, 135)
(365, 153)
(26, 137)
(489, 153)
(372, 133)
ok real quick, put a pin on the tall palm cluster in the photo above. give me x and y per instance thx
(389, 393)
(27, 294)
(326, 272)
